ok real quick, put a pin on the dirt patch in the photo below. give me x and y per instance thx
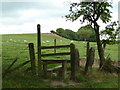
(96, 63)
(83, 62)
(116, 63)
(72, 83)
(58, 83)
(61, 83)
(98, 81)
(54, 35)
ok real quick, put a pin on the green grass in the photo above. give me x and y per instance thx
(14, 46)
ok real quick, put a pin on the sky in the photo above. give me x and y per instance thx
(24, 15)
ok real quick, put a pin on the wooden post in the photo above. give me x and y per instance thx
(64, 69)
(89, 61)
(39, 50)
(45, 69)
(72, 51)
(54, 45)
(77, 63)
(87, 49)
(32, 58)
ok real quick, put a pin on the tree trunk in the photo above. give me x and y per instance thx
(99, 45)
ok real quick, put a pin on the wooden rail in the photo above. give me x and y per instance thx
(52, 47)
(64, 67)
(55, 61)
(55, 54)
(17, 67)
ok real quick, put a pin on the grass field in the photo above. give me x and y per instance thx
(15, 45)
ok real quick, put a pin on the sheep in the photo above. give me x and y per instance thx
(25, 41)
(47, 41)
(10, 39)
(71, 41)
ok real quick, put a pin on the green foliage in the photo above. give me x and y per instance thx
(83, 33)
(86, 33)
(70, 34)
(111, 31)
(90, 11)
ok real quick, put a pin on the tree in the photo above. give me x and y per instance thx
(70, 34)
(111, 31)
(92, 12)
(60, 31)
(85, 32)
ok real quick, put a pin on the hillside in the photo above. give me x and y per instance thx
(16, 46)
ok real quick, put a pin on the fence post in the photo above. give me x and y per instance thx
(72, 51)
(45, 69)
(32, 58)
(54, 45)
(39, 50)
(87, 49)
(64, 67)
(77, 63)
(89, 60)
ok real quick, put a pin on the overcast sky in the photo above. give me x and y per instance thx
(24, 15)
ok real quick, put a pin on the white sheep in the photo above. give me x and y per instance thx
(71, 41)
(47, 41)
(25, 41)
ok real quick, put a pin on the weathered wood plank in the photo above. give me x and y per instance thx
(39, 49)
(55, 61)
(19, 66)
(32, 58)
(52, 47)
(89, 61)
(64, 69)
(45, 69)
(87, 49)
(77, 63)
(11, 65)
(55, 68)
(72, 51)
(55, 54)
